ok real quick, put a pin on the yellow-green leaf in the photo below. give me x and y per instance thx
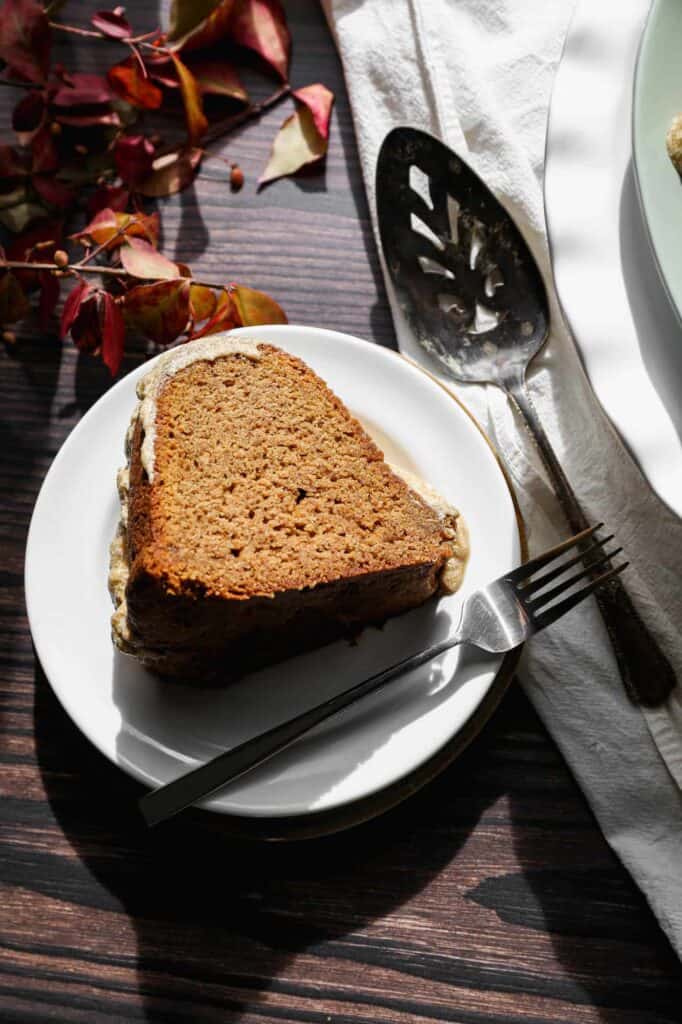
(256, 307)
(184, 17)
(297, 144)
(191, 98)
(203, 302)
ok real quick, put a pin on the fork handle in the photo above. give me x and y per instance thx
(647, 675)
(175, 796)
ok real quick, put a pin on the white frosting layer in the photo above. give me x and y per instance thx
(453, 526)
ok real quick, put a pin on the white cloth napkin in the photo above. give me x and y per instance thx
(478, 74)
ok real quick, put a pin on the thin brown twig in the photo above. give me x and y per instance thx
(89, 256)
(221, 128)
(138, 57)
(73, 269)
(89, 33)
(227, 124)
(76, 31)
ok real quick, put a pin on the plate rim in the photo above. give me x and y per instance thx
(585, 29)
(314, 823)
(673, 294)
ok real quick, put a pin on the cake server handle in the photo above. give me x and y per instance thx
(173, 797)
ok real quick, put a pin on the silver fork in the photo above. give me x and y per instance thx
(497, 618)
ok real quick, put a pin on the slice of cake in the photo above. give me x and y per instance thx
(258, 518)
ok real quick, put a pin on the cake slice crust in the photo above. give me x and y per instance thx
(261, 520)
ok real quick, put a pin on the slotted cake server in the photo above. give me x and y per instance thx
(472, 293)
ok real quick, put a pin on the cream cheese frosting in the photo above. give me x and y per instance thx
(453, 527)
(148, 389)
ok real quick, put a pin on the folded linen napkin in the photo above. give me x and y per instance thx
(479, 76)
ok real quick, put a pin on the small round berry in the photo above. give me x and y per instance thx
(61, 258)
(55, 128)
(9, 337)
(236, 178)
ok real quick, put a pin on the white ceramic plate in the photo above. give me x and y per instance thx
(657, 98)
(156, 730)
(627, 333)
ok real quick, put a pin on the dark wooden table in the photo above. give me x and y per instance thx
(491, 896)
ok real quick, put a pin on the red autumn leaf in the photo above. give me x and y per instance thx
(112, 24)
(191, 98)
(53, 191)
(101, 116)
(158, 311)
(13, 302)
(11, 164)
(255, 308)
(261, 25)
(217, 78)
(28, 112)
(128, 82)
(44, 152)
(113, 228)
(83, 89)
(25, 39)
(113, 332)
(49, 296)
(30, 246)
(223, 319)
(134, 157)
(72, 305)
(202, 301)
(319, 100)
(171, 173)
(161, 69)
(141, 259)
(113, 197)
(86, 329)
(198, 26)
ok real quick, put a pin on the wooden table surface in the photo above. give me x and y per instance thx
(490, 896)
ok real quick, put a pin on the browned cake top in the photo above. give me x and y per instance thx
(263, 482)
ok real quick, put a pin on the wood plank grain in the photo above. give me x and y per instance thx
(489, 897)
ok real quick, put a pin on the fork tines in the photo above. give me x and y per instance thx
(593, 557)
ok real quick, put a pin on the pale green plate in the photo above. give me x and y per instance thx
(657, 98)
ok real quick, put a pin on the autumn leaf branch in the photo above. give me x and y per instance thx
(83, 139)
